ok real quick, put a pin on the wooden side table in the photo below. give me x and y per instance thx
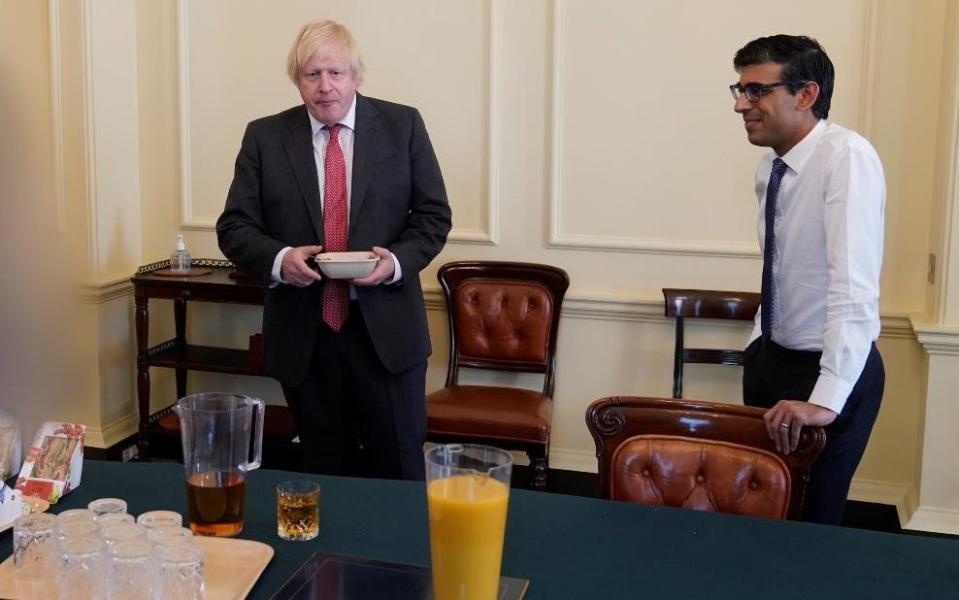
(223, 284)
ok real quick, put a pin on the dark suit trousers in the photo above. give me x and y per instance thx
(354, 416)
(772, 373)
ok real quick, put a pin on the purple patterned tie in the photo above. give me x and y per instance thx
(769, 248)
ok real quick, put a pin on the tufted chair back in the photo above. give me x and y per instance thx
(502, 316)
(615, 420)
(700, 475)
(503, 321)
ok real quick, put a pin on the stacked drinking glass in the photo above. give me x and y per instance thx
(103, 552)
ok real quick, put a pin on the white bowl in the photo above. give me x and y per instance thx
(346, 265)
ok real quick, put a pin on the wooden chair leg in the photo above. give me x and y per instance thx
(539, 467)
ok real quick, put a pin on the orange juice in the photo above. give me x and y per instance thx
(467, 522)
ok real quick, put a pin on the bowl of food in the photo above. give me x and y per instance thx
(346, 265)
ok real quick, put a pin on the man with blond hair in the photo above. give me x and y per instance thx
(341, 172)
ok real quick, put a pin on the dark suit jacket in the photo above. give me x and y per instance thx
(397, 201)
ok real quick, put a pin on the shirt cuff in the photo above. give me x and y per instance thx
(275, 277)
(397, 270)
(830, 392)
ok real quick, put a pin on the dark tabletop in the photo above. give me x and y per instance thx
(572, 547)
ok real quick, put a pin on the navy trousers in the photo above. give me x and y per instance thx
(772, 373)
(354, 416)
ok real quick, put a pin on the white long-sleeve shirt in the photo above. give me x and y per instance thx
(828, 255)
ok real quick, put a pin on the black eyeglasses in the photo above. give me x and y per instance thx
(753, 91)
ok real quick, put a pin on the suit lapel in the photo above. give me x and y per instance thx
(298, 145)
(365, 143)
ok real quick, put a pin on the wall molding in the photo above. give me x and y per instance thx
(105, 290)
(187, 220)
(937, 339)
(872, 38)
(947, 166)
(567, 459)
(559, 238)
(576, 305)
(89, 137)
(56, 114)
(113, 432)
(937, 520)
(468, 236)
(902, 496)
(582, 305)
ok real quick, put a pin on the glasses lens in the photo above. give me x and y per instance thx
(753, 91)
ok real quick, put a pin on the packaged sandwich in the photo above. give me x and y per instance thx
(54, 462)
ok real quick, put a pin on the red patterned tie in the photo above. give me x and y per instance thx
(336, 307)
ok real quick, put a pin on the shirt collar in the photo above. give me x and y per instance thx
(348, 121)
(797, 156)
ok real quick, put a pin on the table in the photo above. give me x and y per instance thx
(573, 547)
(224, 285)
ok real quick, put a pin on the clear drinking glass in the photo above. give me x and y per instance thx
(298, 510)
(122, 532)
(467, 492)
(160, 518)
(105, 506)
(182, 573)
(34, 546)
(83, 569)
(104, 521)
(132, 570)
(78, 528)
(76, 514)
(170, 536)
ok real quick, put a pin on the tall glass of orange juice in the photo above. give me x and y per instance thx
(467, 490)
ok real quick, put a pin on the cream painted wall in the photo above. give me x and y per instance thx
(597, 136)
(40, 359)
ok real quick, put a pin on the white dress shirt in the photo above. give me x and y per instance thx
(828, 255)
(321, 137)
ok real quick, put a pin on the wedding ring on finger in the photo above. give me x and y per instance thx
(784, 425)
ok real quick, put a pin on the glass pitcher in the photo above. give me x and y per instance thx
(467, 491)
(216, 431)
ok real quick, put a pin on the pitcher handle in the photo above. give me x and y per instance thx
(260, 410)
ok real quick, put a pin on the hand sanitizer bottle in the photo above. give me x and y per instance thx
(180, 259)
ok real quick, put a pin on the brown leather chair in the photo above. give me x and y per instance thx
(502, 316)
(701, 475)
(615, 420)
(705, 304)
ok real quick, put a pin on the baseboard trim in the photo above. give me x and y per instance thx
(902, 496)
(935, 520)
(572, 460)
(114, 432)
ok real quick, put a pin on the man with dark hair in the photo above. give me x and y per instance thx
(812, 358)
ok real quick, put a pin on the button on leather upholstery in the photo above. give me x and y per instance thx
(503, 319)
(742, 480)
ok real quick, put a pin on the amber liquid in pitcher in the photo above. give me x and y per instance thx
(215, 502)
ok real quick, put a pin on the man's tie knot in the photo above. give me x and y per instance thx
(779, 168)
(335, 131)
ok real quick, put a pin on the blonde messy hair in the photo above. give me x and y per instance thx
(318, 36)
